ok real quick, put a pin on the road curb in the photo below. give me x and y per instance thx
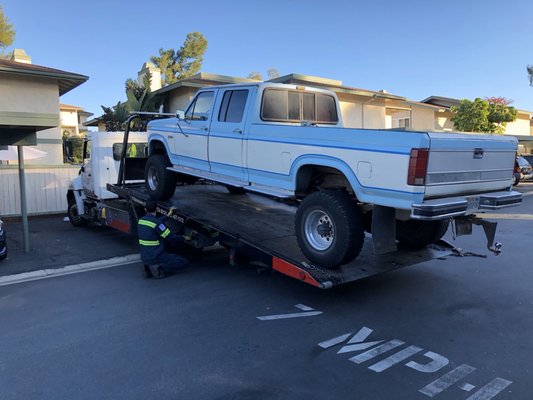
(70, 269)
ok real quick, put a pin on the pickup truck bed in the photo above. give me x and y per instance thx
(261, 229)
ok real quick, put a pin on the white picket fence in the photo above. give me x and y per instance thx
(46, 189)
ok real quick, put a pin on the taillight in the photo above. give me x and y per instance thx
(418, 164)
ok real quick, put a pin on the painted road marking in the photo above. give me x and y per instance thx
(490, 390)
(437, 362)
(467, 387)
(444, 382)
(376, 351)
(309, 312)
(395, 359)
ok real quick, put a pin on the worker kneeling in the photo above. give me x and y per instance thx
(152, 233)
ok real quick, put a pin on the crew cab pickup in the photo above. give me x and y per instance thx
(288, 141)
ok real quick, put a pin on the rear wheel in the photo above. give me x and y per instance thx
(73, 214)
(160, 182)
(329, 228)
(413, 234)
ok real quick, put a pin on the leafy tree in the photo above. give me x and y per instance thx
(273, 73)
(140, 98)
(500, 113)
(483, 116)
(115, 116)
(255, 75)
(530, 74)
(183, 63)
(7, 31)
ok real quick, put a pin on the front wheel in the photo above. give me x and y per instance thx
(73, 214)
(329, 228)
(413, 234)
(160, 182)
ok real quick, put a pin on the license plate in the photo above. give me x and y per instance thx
(472, 204)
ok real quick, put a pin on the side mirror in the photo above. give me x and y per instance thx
(180, 114)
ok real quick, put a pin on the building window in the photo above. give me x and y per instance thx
(403, 123)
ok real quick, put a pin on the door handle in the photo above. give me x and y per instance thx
(237, 130)
(204, 128)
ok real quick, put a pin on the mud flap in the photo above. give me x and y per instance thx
(384, 229)
(463, 226)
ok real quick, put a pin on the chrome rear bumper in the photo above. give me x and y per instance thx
(464, 205)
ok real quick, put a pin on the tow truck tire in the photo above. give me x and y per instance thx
(235, 189)
(160, 182)
(329, 228)
(413, 234)
(74, 216)
(516, 178)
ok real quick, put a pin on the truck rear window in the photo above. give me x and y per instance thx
(297, 106)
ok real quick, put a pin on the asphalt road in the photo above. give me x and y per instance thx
(458, 328)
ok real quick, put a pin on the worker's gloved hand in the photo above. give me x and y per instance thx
(171, 211)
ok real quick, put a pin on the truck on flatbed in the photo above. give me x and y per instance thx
(288, 142)
(251, 226)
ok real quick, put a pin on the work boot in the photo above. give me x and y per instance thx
(157, 271)
(146, 272)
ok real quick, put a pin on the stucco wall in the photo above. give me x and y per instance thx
(519, 127)
(444, 121)
(351, 114)
(422, 118)
(28, 94)
(69, 118)
(179, 99)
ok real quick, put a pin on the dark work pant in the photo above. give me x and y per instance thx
(170, 262)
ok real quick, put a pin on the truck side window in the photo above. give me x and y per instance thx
(326, 109)
(296, 106)
(201, 107)
(232, 108)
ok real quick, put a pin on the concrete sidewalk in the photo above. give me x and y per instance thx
(55, 243)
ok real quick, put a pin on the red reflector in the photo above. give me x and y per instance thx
(418, 163)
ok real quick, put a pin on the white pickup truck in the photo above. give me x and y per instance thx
(288, 141)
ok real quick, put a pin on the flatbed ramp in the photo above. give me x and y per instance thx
(262, 229)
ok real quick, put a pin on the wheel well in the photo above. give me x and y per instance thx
(157, 147)
(311, 178)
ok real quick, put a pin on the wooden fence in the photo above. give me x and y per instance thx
(46, 189)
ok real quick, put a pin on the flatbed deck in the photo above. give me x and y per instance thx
(262, 229)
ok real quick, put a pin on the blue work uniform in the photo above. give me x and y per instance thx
(152, 232)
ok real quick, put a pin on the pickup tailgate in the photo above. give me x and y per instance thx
(469, 163)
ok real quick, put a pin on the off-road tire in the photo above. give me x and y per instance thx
(160, 182)
(235, 189)
(329, 228)
(74, 216)
(413, 234)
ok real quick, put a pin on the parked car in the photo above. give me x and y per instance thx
(523, 169)
(3, 241)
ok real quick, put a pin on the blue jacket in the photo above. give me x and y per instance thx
(152, 231)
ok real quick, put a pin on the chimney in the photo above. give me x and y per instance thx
(155, 73)
(19, 55)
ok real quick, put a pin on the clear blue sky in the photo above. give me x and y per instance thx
(457, 48)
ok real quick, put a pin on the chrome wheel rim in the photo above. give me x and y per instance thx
(319, 230)
(152, 179)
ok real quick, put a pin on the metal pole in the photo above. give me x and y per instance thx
(23, 207)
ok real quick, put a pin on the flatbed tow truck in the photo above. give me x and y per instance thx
(253, 228)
